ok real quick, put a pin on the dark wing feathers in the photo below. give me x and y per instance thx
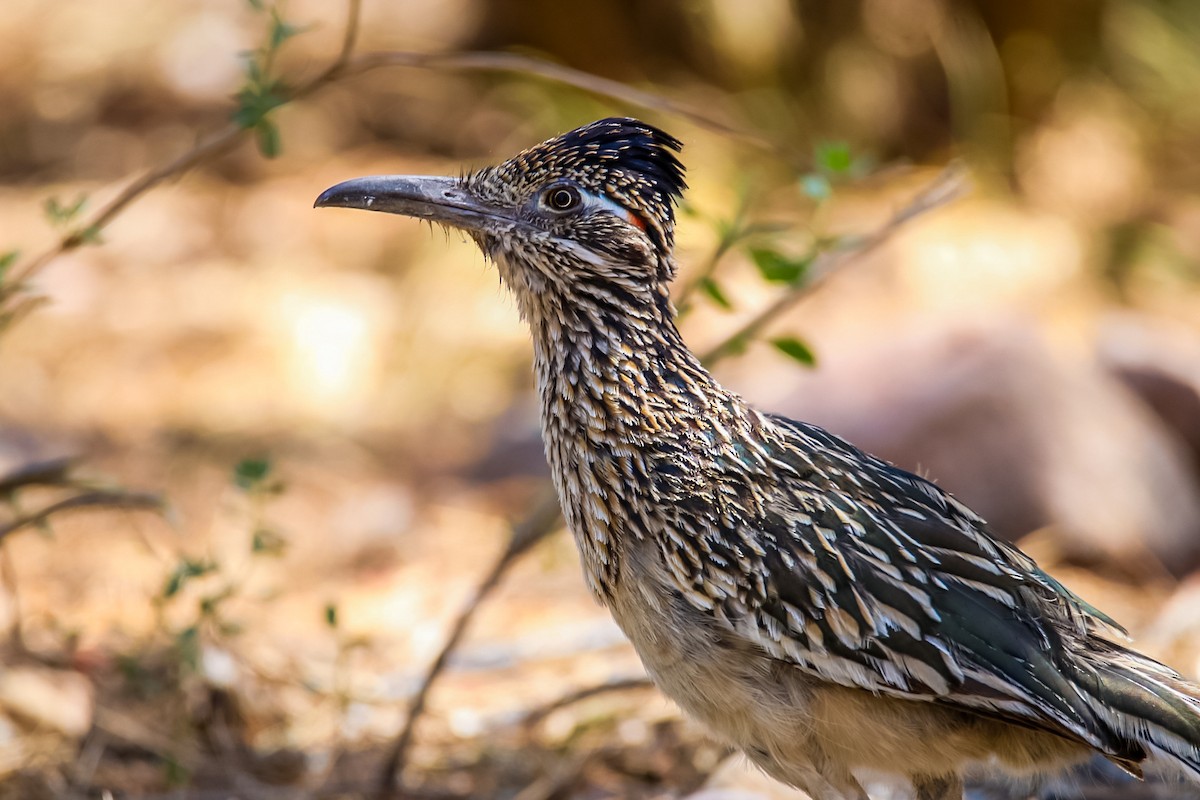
(874, 578)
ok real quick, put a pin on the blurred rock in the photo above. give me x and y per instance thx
(59, 699)
(1025, 436)
(1160, 363)
(1174, 636)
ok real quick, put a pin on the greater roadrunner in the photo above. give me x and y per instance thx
(828, 613)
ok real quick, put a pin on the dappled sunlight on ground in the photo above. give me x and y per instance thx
(1031, 347)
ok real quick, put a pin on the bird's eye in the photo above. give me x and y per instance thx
(562, 198)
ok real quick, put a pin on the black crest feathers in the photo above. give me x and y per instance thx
(626, 160)
(642, 156)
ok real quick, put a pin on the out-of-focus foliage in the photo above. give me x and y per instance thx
(1032, 347)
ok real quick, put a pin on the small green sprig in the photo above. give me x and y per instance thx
(263, 91)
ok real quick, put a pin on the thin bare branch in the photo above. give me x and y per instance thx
(558, 781)
(579, 695)
(948, 186)
(208, 149)
(350, 34)
(19, 309)
(347, 65)
(53, 472)
(738, 234)
(108, 499)
(339, 67)
(586, 81)
(543, 520)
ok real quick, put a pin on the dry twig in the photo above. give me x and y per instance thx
(346, 65)
(543, 520)
(101, 499)
(53, 472)
(586, 693)
(585, 81)
(210, 148)
(948, 186)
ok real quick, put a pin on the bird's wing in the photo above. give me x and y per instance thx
(873, 578)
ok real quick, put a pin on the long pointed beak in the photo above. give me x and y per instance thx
(436, 199)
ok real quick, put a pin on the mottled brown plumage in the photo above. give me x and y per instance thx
(833, 616)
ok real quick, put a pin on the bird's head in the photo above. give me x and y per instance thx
(587, 214)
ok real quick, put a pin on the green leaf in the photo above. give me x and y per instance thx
(711, 288)
(230, 628)
(187, 645)
(247, 114)
(727, 229)
(250, 473)
(6, 261)
(281, 30)
(736, 346)
(778, 268)
(175, 774)
(795, 349)
(184, 572)
(834, 158)
(257, 5)
(331, 615)
(60, 214)
(816, 186)
(268, 543)
(143, 681)
(257, 99)
(254, 74)
(90, 235)
(266, 133)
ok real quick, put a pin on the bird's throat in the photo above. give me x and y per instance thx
(614, 391)
(611, 373)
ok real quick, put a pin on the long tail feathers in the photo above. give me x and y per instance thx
(1146, 703)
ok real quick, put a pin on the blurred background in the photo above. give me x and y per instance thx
(337, 408)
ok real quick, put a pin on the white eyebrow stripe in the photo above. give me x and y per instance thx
(601, 202)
